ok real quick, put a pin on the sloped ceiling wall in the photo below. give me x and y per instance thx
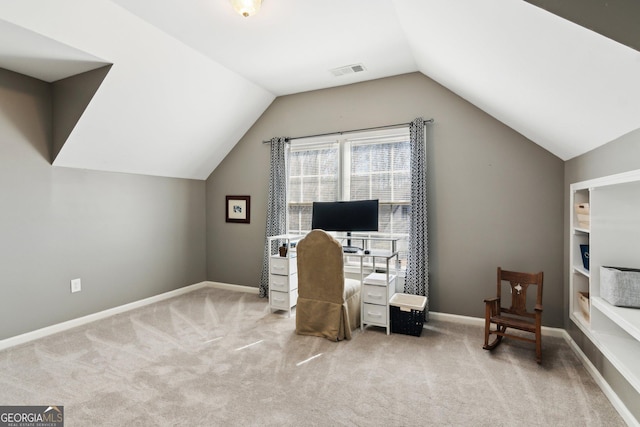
(187, 80)
(562, 86)
(164, 109)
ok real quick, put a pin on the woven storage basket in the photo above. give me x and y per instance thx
(407, 313)
(620, 286)
(583, 215)
(583, 302)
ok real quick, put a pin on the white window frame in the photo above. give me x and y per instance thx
(344, 141)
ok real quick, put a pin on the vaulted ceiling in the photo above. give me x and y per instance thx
(188, 79)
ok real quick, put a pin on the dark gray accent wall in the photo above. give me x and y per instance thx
(615, 19)
(621, 155)
(495, 198)
(70, 97)
(127, 237)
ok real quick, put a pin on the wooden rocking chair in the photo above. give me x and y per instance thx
(516, 316)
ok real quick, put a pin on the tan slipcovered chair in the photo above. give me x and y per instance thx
(328, 303)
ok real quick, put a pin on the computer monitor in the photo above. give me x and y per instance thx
(346, 216)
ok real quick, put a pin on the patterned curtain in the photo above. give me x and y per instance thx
(276, 207)
(417, 278)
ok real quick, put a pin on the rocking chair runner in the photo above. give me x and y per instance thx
(516, 316)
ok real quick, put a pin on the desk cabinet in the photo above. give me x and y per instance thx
(377, 289)
(283, 282)
(283, 274)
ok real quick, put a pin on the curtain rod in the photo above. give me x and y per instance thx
(349, 131)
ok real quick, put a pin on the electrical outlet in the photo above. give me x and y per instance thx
(76, 285)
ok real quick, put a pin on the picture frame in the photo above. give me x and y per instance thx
(238, 209)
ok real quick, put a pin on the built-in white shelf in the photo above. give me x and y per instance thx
(620, 352)
(628, 319)
(581, 270)
(612, 235)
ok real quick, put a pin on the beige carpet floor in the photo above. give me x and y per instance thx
(215, 357)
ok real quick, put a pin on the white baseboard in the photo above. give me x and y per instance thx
(60, 327)
(230, 287)
(619, 406)
(477, 321)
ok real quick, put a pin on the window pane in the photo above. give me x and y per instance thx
(299, 218)
(400, 218)
(360, 159)
(381, 187)
(310, 188)
(328, 162)
(380, 157)
(295, 159)
(294, 218)
(384, 216)
(360, 188)
(401, 187)
(313, 176)
(328, 189)
(295, 189)
(401, 156)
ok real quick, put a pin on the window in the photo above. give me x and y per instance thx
(358, 166)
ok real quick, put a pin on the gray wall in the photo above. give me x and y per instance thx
(495, 198)
(127, 237)
(618, 156)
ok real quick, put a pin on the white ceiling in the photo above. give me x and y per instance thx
(190, 78)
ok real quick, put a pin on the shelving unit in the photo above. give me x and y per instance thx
(613, 238)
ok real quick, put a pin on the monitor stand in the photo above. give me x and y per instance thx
(351, 249)
(348, 249)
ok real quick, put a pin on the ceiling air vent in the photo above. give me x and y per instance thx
(349, 69)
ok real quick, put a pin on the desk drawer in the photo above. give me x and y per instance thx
(374, 294)
(283, 266)
(283, 300)
(375, 314)
(283, 283)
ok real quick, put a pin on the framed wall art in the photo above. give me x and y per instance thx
(238, 209)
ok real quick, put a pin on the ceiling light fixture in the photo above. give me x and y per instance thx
(246, 8)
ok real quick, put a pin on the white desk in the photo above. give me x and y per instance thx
(377, 288)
